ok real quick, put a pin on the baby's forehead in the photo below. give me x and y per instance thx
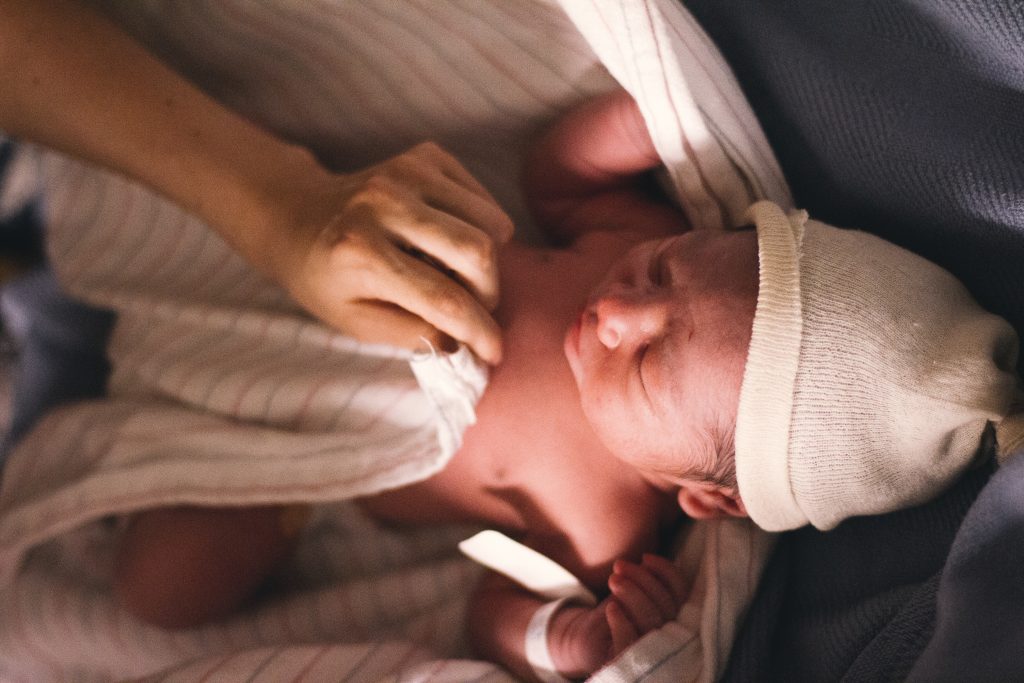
(713, 292)
(708, 239)
(715, 260)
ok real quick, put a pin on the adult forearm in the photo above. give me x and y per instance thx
(72, 80)
(344, 246)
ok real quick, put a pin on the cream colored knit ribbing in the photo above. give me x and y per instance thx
(771, 370)
(898, 372)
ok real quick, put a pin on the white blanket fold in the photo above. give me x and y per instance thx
(224, 393)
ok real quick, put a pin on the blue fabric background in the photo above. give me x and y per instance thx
(905, 118)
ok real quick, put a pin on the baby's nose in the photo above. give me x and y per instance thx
(627, 319)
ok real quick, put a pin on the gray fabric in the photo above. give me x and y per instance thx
(902, 117)
(856, 603)
(979, 635)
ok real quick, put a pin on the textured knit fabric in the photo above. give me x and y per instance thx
(871, 377)
(902, 117)
(979, 633)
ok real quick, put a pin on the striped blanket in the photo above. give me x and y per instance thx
(223, 392)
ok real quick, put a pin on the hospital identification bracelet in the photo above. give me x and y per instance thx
(538, 655)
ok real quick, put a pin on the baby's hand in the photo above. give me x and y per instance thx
(643, 597)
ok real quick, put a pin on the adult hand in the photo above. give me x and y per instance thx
(401, 252)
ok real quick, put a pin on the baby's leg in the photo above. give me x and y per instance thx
(185, 566)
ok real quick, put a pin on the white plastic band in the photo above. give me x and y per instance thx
(538, 656)
(527, 567)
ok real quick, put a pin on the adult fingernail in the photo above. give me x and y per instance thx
(492, 354)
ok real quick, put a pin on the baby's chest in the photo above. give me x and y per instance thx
(587, 522)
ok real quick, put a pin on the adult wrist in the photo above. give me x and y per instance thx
(264, 203)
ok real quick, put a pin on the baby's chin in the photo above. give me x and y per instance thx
(571, 350)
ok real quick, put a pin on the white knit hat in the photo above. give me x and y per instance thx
(870, 378)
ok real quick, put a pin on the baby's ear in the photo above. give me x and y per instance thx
(702, 500)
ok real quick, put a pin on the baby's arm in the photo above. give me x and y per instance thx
(591, 171)
(580, 639)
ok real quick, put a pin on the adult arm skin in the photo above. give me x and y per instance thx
(341, 244)
(591, 171)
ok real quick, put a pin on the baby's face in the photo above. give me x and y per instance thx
(658, 352)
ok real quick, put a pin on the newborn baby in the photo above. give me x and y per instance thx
(626, 395)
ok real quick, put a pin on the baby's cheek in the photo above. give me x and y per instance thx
(617, 432)
(592, 412)
(597, 415)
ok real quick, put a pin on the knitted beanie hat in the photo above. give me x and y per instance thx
(870, 378)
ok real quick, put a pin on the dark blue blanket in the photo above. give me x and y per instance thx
(60, 342)
(905, 118)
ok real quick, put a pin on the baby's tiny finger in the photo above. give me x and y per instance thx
(644, 614)
(671, 576)
(651, 584)
(623, 631)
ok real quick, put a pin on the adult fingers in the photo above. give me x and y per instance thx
(366, 266)
(463, 195)
(382, 322)
(455, 249)
(397, 212)
(446, 195)
(429, 294)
